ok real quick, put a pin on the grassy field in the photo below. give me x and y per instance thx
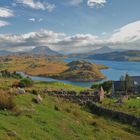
(57, 85)
(7, 84)
(56, 119)
(131, 106)
(134, 59)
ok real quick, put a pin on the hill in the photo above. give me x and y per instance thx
(55, 119)
(43, 50)
(4, 52)
(49, 67)
(130, 55)
(102, 50)
(82, 70)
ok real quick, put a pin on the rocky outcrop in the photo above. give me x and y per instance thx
(82, 70)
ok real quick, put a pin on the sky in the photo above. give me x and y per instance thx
(69, 26)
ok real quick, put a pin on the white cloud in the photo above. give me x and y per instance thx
(75, 2)
(5, 12)
(35, 19)
(32, 19)
(98, 3)
(78, 43)
(34, 4)
(3, 23)
(29, 40)
(40, 20)
(127, 37)
(127, 33)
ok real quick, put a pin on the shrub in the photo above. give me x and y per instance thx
(26, 82)
(34, 92)
(56, 108)
(6, 101)
(67, 110)
(107, 86)
(7, 74)
(93, 123)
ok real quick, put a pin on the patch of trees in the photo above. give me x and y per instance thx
(7, 74)
(26, 82)
(127, 83)
(107, 86)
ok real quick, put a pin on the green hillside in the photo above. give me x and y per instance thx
(55, 118)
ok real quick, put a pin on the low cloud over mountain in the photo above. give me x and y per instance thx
(126, 37)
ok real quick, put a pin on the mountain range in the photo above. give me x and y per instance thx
(102, 50)
(41, 50)
(129, 55)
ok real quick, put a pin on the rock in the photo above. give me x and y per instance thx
(101, 94)
(12, 133)
(134, 123)
(38, 99)
(117, 138)
(21, 91)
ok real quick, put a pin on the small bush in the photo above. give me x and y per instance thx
(76, 113)
(26, 82)
(6, 101)
(93, 123)
(56, 108)
(34, 92)
(67, 110)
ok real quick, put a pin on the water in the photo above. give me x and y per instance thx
(115, 71)
(116, 68)
(40, 78)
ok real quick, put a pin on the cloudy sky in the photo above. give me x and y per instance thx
(69, 26)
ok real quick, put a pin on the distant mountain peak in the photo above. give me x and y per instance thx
(45, 50)
(5, 52)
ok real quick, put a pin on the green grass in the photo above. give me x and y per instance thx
(7, 83)
(5, 65)
(57, 85)
(134, 58)
(71, 122)
(131, 106)
(57, 119)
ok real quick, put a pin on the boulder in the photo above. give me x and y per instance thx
(21, 91)
(38, 99)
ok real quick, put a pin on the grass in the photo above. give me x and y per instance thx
(33, 65)
(7, 84)
(42, 66)
(57, 85)
(134, 58)
(131, 106)
(42, 121)
(56, 119)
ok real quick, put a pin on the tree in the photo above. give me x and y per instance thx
(126, 83)
(26, 82)
(107, 86)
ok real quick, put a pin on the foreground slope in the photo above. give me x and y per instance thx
(55, 118)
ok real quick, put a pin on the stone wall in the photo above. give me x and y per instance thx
(120, 116)
(89, 101)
